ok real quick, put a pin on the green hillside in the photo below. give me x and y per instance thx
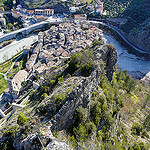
(136, 11)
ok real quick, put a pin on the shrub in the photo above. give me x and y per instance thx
(24, 83)
(144, 134)
(22, 119)
(138, 146)
(25, 128)
(60, 80)
(90, 127)
(45, 89)
(96, 42)
(147, 122)
(95, 110)
(86, 68)
(11, 131)
(74, 61)
(58, 99)
(43, 96)
(136, 129)
(51, 83)
(81, 115)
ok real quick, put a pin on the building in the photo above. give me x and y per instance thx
(14, 84)
(31, 61)
(80, 17)
(16, 14)
(98, 10)
(30, 12)
(73, 9)
(39, 18)
(48, 12)
(99, 7)
(26, 50)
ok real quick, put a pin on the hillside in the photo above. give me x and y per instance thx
(138, 13)
(83, 103)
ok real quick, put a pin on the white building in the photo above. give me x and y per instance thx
(48, 12)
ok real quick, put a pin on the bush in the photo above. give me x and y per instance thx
(96, 42)
(138, 146)
(58, 99)
(60, 80)
(74, 61)
(43, 96)
(51, 83)
(144, 134)
(136, 129)
(11, 131)
(45, 89)
(147, 122)
(22, 119)
(86, 68)
(90, 127)
(81, 115)
(25, 128)
(24, 83)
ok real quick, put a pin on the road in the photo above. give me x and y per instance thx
(122, 35)
(29, 29)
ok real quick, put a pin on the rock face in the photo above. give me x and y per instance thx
(146, 78)
(82, 94)
(33, 142)
(141, 36)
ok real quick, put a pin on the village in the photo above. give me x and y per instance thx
(54, 46)
(31, 16)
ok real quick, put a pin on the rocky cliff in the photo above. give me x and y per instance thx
(81, 96)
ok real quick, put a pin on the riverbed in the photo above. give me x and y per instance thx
(15, 47)
(136, 66)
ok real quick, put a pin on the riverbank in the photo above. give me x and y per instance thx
(5, 43)
(136, 66)
(15, 47)
(111, 32)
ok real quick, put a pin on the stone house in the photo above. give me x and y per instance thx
(80, 17)
(14, 84)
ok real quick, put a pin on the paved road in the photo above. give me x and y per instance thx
(122, 35)
(32, 27)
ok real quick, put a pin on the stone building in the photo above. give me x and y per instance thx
(14, 84)
(26, 50)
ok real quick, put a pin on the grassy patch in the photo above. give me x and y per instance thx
(4, 67)
(3, 84)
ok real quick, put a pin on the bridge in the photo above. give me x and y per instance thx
(27, 30)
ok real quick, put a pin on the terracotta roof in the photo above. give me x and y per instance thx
(49, 9)
(100, 8)
(30, 10)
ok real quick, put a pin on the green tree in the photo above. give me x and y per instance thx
(22, 119)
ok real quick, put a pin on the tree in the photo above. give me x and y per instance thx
(8, 4)
(22, 119)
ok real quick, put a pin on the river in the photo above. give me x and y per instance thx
(136, 66)
(15, 47)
